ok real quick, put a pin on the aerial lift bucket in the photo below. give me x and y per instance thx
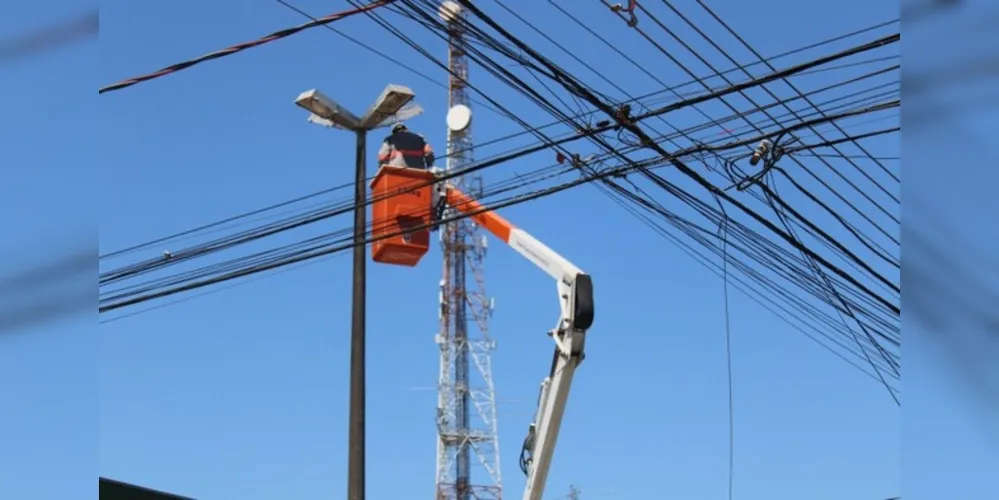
(403, 201)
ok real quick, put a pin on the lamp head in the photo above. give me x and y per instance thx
(327, 109)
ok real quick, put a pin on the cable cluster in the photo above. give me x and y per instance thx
(810, 235)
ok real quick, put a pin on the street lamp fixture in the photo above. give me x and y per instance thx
(326, 109)
(395, 104)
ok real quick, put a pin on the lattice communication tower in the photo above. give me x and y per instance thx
(468, 464)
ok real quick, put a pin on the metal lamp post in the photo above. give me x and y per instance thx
(393, 105)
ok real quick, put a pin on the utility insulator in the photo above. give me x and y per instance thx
(760, 151)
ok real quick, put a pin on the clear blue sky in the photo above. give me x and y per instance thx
(242, 394)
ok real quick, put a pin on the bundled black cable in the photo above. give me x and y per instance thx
(781, 283)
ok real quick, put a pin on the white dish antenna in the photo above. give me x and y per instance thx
(449, 11)
(459, 118)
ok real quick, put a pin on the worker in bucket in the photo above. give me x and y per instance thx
(406, 149)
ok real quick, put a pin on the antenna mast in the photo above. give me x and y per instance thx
(467, 439)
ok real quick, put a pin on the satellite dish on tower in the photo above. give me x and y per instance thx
(459, 117)
(449, 11)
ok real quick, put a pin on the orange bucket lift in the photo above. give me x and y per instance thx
(402, 202)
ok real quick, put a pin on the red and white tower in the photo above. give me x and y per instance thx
(468, 465)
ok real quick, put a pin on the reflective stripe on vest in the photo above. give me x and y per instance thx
(409, 152)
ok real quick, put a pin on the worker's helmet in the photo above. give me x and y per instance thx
(398, 127)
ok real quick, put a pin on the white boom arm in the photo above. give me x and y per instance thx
(575, 291)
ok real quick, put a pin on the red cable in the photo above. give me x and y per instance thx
(243, 46)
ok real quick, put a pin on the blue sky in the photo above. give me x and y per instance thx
(242, 394)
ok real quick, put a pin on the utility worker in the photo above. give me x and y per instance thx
(406, 149)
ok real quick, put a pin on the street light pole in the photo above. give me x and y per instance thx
(393, 105)
(356, 445)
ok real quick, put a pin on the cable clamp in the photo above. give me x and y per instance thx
(630, 9)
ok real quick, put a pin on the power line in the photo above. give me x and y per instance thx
(784, 102)
(277, 35)
(304, 248)
(567, 81)
(580, 135)
(313, 253)
(789, 84)
(231, 241)
(503, 156)
(110, 277)
(749, 98)
(686, 170)
(728, 353)
(380, 53)
(258, 233)
(213, 291)
(227, 220)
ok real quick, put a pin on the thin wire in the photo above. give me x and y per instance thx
(833, 292)
(243, 46)
(526, 49)
(862, 157)
(227, 220)
(569, 136)
(795, 89)
(315, 252)
(217, 290)
(750, 99)
(132, 271)
(728, 352)
(551, 67)
(691, 173)
(384, 55)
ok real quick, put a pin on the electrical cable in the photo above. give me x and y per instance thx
(277, 35)
(867, 218)
(381, 54)
(746, 96)
(862, 239)
(817, 70)
(686, 170)
(216, 290)
(543, 146)
(673, 88)
(134, 248)
(750, 290)
(106, 277)
(514, 57)
(316, 252)
(335, 237)
(789, 83)
(833, 291)
(728, 353)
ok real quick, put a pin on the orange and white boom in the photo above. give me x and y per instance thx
(575, 292)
